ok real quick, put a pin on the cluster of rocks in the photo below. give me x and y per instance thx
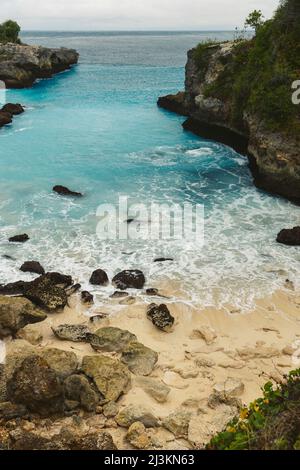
(8, 111)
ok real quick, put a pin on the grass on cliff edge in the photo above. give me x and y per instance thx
(258, 79)
(270, 423)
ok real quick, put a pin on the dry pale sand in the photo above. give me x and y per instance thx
(252, 347)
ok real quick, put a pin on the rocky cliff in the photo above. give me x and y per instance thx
(240, 93)
(22, 65)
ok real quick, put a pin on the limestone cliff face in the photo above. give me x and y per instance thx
(22, 65)
(274, 155)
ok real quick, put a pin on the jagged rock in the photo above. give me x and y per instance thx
(64, 363)
(110, 339)
(178, 422)
(75, 333)
(139, 359)
(110, 409)
(10, 410)
(63, 191)
(206, 333)
(111, 377)
(13, 288)
(230, 388)
(174, 103)
(44, 292)
(21, 65)
(35, 385)
(87, 297)
(137, 436)
(99, 278)
(290, 237)
(129, 279)
(13, 108)
(19, 238)
(78, 389)
(24, 440)
(160, 317)
(154, 388)
(32, 267)
(73, 289)
(31, 334)
(134, 413)
(15, 313)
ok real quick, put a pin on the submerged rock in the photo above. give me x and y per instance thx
(75, 333)
(290, 237)
(162, 260)
(110, 339)
(19, 238)
(35, 385)
(160, 317)
(13, 108)
(5, 118)
(111, 377)
(15, 313)
(87, 297)
(64, 191)
(129, 279)
(32, 267)
(99, 278)
(139, 359)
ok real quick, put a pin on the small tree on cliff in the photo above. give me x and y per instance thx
(255, 20)
(9, 32)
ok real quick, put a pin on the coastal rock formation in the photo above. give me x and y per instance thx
(133, 413)
(235, 94)
(290, 237)
(110, 339)
(19, 238)
(32, 267)
(46, 294)
(87, 297)
(15, 313)
(139, 359)
(99, 278)
(75, 333)
(129, 279)
(160, 317)
(63, 191)
(8, 111)
(21, 65)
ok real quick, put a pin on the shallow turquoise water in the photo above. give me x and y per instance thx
(97, 129)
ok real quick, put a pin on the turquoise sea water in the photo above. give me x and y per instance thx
(97, 129)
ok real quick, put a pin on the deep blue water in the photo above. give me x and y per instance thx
(97, 129)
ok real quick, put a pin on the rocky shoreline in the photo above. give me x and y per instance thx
(273, 155)
(21, 65)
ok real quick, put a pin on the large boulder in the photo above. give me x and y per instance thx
(111, 377)
(139, 359)
(44, 292)
(129, 279)
(290, 237)
(78, 389)
(110, 339)
(64, 363)
(75, 333)
(99, 278)
(160, 317)
(15, 313)
(36, 385)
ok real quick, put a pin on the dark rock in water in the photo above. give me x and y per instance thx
(13, 288)
(129, 221)
(59, 279)
(129, 279)
(119, 295)
(87, 297)
(10, 411)
(13, 109)
(152, 291)
(63, 191)
(174, 103)
(160, 317)
(5, 118)
(45, 293)
(99, 278)
(21, 439)
(73, 289)
(110, 339)
(19, 238)
(32, 267)
(290, 237)
(9, 257)
(17, 312)
(79, 389)
(161, 260)
(35, 385)
(75, 333)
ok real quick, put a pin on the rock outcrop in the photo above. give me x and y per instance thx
(21, 65)
(222, 103)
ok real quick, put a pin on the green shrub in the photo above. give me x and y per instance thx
(9, 32)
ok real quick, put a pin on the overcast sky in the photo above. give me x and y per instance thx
(131, 14)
